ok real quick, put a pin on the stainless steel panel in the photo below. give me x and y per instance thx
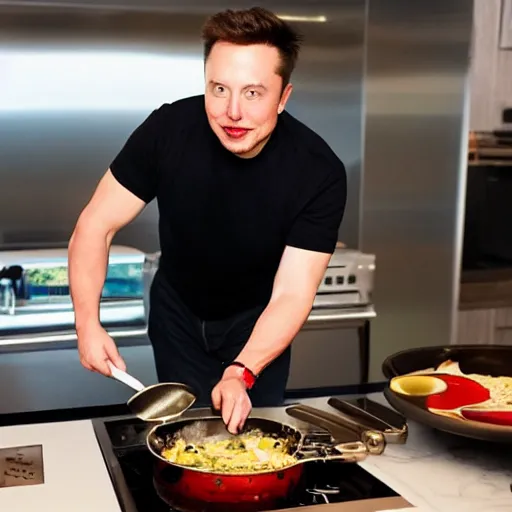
(55, 379)
(32, 378)
(414, 168)
(325, 356)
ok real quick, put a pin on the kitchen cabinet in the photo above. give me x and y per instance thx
(491, 64)
(488, 326)
(485, 307)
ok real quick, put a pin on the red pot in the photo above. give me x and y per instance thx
(192, 489)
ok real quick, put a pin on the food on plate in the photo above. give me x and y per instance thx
(463, 396)
(417, 385)
(500, 388)
(253, 451)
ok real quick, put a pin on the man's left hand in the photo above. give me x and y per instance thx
(231, 398)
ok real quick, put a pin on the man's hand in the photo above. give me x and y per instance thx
(96, 348)
(231, 398)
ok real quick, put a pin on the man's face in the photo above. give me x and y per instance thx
(243, 95)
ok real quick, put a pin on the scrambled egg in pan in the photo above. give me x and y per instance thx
(245, 453)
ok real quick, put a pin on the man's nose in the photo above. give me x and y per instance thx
(234, 111)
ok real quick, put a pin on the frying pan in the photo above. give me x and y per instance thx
(494, 360)
(183, 487)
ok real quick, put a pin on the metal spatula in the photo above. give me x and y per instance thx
(160, 402)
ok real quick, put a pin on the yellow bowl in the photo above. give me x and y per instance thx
(417, 385)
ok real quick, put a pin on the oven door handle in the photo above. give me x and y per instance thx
(340, 316)
(66, 340)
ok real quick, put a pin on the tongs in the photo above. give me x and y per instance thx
(351, 420)
(369, 414)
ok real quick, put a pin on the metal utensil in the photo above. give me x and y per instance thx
(372, 415)
(339, 429)
(160, 402)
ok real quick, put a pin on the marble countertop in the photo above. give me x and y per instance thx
(440, 472)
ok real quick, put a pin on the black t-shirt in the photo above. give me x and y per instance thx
(224, 221)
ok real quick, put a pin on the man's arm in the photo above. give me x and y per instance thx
(295, 285)
(297, 280)
(111, 207)
(310, 242)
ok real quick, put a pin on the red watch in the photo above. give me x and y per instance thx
(245, 374)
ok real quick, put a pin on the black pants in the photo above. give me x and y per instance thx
(196, 352)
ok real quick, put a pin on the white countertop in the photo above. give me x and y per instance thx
(75, 475)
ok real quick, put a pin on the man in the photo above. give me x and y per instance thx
(250, 201)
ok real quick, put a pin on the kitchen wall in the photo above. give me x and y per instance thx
(491, 64)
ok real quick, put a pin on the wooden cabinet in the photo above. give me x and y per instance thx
(491, 65)
(488, 326)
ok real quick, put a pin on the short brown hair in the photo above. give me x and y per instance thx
(254, 26)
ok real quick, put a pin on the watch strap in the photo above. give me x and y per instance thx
(247, 375)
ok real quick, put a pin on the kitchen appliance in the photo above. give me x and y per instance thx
(348, 281)
(487, 240)
(493, 360)
(344, 292)
(35, 281)
(122, 441)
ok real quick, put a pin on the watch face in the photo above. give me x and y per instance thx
(246, 375)
(248, 378)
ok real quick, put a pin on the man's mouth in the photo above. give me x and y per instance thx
(235, 133)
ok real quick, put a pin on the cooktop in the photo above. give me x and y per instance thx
(132, 466)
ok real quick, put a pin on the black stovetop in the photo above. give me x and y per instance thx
(131, 467)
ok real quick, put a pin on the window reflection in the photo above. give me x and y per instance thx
(95, 80)
(35, 295)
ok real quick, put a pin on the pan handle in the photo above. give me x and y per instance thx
(373, 416)
(339, 428)
(343, 452)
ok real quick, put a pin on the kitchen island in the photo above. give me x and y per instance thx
(432, 471)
